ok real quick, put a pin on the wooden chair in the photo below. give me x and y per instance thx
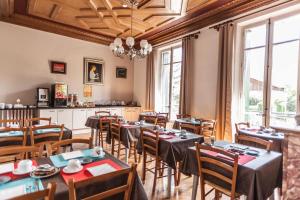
(116, 137)
(150, 146)
(13, 140)
(47, 138)
(102, 113)
(181, 116)
(253, 141)
(58, 146)
(33, 121)
(151, 120)
(241, 125)
(7, 123)
(21, 152)
(162, 119)
(212, 168)
(208, 127)
(126, 188)
(190, 128)
(104, 126)
(47, 194)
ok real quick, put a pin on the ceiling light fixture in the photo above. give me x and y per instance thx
(130, 51)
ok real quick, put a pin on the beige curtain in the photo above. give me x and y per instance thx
(150, 83)
(224, 94)
(184, 102)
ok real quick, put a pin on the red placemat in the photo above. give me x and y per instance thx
(13, 176)
(243, 159)
(84, 174)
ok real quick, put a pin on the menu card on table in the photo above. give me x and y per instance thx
(101, 169)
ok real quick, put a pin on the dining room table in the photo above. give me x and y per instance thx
(173, 148)
(191, 121)
(257, 176)
(266, 134)
(61, 178)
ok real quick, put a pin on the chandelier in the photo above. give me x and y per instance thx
(129, 50)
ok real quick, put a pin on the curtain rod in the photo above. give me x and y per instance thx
(194, 34)
(217, 26)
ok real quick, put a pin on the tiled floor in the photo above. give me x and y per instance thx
(182, 192)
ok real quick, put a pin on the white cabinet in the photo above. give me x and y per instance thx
(65, 116)
(91, 112)
(79, 118)
(48, 113)
(116, 111)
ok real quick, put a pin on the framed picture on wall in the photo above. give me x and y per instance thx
(121, 72)
(93, 71)
(58, 67)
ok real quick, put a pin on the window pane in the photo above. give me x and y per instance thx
(177, 54)
(166, 57)
(254, 85)
(165, 87)
(287, 29)
(255, 37)
(175, 90)
(284, 83)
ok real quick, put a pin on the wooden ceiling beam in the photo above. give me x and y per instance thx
(6, 8)
(56, 9)
(109, 7)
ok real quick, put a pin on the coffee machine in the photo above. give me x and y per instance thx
(60, 95)
(43, 97)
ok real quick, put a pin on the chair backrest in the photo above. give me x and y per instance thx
(40, 136)
(115, 130)
(104, 123)
(241, 125)
(180, 116)
(190, 128)
(19, 138)
(218, 168)
(151, 119)
(19, 152)
(208, 127)
(47, 194)
(32, 121)
(125, 188)
(4, 123)
(57, 146)
(102, 113)
(150, 141)
(253, 141)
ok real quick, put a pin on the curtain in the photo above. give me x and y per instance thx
(186, 66)
(224, 92)
(150, 83)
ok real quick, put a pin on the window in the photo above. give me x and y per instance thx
(170, 80)
(271, 71)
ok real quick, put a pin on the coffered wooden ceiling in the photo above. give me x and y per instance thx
(102, 20)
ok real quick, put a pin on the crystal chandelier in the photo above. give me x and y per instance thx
(130, 51)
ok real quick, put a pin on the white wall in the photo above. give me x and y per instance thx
(24, 65)
(204, 80)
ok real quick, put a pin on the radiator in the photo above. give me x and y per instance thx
(20, 114)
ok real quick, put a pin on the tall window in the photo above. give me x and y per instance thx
(170, 80)
(271, 71)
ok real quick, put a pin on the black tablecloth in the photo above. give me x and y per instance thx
(278, 140)
(174, 150)
(138, 192)
(177, 122)
(256, 179)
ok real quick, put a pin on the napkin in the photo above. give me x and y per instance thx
(11, 192)
(5, 168)
(101, 169)
(71, 155)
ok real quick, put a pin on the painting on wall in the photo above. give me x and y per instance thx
(58, 67)
(121, 72)
(93, 71)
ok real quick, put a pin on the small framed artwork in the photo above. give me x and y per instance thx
(58, 67)
(121, 72)
(93, 71)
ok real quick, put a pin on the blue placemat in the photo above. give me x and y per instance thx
(31, 185)
(11, 134)
(40, 131)
(59, 161)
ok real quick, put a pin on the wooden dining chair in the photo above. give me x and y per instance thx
(208, 127)
(215, 170)
(58, 147)
(182, 116)
(253, 141)
(19, 153)
(150, 146)
(33, 121)
(104, 127)
(18, 139)
(125, 188)
(115, 130)
(241, 125)
(102, 113)
(47, 194)
(6, 123)
(151, 119)
(41, 137)
(162, 119)
(190, 128)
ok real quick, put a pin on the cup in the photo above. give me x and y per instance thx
(2, 105)
(74, 164)
(25, 165)
(97, 150)
(183, 132)
(142, 122)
